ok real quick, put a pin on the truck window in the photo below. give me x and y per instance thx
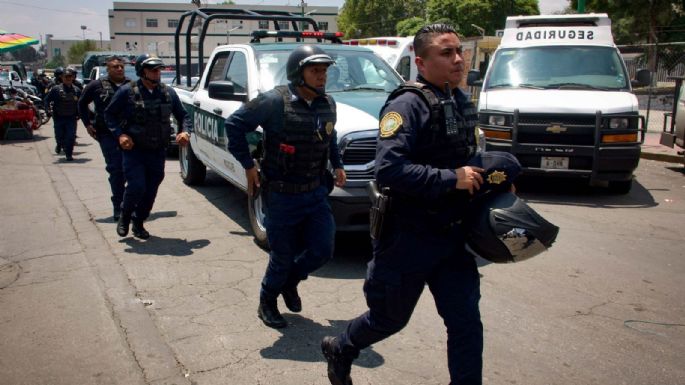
(218, 67)
(404, 67)
(237, 72)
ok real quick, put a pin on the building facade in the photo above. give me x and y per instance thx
(56, 47)
(150, 27)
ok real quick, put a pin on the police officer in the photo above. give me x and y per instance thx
(100, 93)
(139, 118)
(426, 138)
(298, 120)
(64, 100)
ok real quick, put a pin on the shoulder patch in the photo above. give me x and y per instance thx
(391, 122)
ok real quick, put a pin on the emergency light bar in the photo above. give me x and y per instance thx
(387, 42)
(257, 35)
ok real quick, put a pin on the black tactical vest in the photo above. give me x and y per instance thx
(151, 127)
(301, 149)
(106, 92)
(67, 104)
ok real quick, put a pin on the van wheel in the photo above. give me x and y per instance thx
(620, 186)
(193, 171)
(256, 208)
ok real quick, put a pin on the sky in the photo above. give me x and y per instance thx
(64, 18)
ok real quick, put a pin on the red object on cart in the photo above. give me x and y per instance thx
(12, 122)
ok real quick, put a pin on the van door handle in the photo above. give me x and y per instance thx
(196, 103)
(218, 111)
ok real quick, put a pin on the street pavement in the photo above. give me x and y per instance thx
(80, 305)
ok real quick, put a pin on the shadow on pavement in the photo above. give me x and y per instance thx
(351, 254)
(76, 160)
(228, 199)
(677, 169)
(575, 192)
(174, 247)
(161, 214)
(301, 341)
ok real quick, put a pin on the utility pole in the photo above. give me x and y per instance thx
(581, 6)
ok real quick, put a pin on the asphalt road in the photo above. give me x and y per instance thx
(80, 305)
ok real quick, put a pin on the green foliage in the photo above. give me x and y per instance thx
(411, 26)
(78, 51)
(56, 61)
(25, 54)
(488, 14)
(366, 18)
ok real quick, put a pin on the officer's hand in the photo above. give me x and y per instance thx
(91, 130)
(252, 180)
(183, 138)
(125, 142)
(513, 189)
(340, 177)
(469, 178)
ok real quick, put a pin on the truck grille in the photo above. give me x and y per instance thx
(580, 129)
(358, 156)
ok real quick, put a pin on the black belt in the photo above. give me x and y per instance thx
(293, 188)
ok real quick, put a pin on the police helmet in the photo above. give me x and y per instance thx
(303, 56)
(59, 71)
(502, 229)
(147, 61)
(70, 71)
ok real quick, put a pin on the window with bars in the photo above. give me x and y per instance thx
(151, 23)
(323, 25)
(263, 24)
(172, 23)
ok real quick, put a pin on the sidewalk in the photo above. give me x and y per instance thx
(651, 148)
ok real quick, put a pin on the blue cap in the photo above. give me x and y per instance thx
(501, 168)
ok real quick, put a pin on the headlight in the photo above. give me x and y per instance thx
(497, 120)
(618, 123)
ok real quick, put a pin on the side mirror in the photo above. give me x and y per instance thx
(86, 81)
(643, 78)
(225, 90)
(474, 79)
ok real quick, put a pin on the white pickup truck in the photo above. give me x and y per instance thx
(359, 82)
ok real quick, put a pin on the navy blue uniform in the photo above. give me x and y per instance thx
(101, 95)
(423, 242)
(300, 226)
(64, 100)
(144, 163)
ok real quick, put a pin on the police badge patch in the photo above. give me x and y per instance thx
(391, 122)
(329, 128)
(497, 177)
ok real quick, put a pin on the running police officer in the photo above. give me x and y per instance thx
(426, 138)
(64, 100)
(298, 120)
(139, 117)
(100, 93)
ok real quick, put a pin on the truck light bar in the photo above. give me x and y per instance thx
(388, 42)
(261, 34)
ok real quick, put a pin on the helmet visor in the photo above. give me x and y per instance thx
(521, 244)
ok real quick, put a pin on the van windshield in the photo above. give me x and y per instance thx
(558, 67)
(353, 70)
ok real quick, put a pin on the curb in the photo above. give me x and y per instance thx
(661, 157)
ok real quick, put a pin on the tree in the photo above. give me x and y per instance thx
(78, 50)
(56, 61)
(411, 26)
(487, 14)
(25, 54)
(359, 18)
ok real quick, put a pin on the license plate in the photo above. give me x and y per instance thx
(554, 162)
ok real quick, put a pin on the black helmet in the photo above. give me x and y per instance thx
(502, 228)
(147, 61)
(302, 56)
(58, 72)
(70, 71)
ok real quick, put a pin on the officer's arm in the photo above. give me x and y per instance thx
(334, 152)
(49, 98)
(180, 113)
(115, 110)
(394, 167)
(256, 112)
(83, 102)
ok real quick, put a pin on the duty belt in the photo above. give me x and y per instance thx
(293, 188)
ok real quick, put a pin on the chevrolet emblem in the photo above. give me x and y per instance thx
(556, 128)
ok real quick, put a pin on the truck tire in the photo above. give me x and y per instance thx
(255, 209)
(620, 186)
(193, 171)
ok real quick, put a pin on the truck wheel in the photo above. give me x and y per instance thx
(620, 186)
(256, 211)
(193, 171)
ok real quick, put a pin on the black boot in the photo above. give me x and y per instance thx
(339, 360)
(58, 148)
(116, 213)
(138, 230)
(292, 299)
(123, 224)
(269, 314)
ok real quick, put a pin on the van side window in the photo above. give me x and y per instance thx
(404, 67)
(237, 72)
(218, 67)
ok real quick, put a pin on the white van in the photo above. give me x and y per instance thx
(557, 95)
(396, 51)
